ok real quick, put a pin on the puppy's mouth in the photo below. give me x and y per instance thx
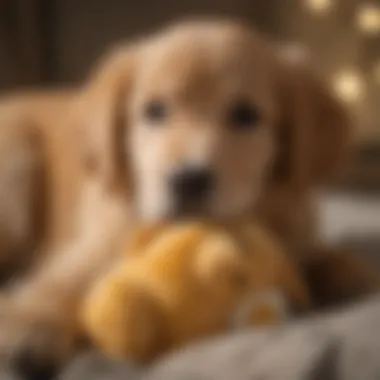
(190, 210)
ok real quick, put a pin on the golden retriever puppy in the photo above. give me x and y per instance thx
(201, 119)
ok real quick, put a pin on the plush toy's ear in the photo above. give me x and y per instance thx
(104, 112)
(220, 262)
(313, 127)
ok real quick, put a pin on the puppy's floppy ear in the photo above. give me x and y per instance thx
(104, 107)
(313, 127)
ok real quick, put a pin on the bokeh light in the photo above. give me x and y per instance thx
(319, 6)
(368, 19)
(349, 85)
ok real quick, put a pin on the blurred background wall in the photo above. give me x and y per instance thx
(49, 42)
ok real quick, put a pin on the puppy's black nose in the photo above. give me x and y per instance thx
(192, 184)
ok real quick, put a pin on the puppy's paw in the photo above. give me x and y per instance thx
(41, 353)
(35, 348)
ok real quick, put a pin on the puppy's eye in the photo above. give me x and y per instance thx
(243, 116)
(155, 111)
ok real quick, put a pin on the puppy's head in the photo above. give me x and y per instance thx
(191, 118)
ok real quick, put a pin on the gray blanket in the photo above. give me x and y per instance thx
(344, 345)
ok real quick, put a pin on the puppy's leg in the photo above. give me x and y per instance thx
(22, 186)
(41, 326)
(339, 276)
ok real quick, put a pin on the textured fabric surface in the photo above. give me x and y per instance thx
(93, 366)
(341, 346)
(346, 217)
(344, 345)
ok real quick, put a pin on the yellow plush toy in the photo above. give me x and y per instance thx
(182, 282)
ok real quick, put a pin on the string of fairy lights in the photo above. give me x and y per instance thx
(352, 83)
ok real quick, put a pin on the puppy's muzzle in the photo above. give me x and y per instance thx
(191, 186)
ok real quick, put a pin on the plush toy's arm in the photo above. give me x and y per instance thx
(290, 281)
(123, 319)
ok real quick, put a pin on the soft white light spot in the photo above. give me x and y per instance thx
(368, 19)
(349, 85)
(319, 6)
